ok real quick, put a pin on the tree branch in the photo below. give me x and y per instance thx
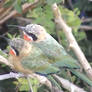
(86, 20)
(68, 85)
(86, 28)
(73, 44)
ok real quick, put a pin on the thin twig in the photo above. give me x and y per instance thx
(29, 83)
(86, 20)
(86, 28)
(26, 20)
(6, 12)
(73, 44)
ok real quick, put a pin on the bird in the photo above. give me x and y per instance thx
(57, 55)
(37, 34)
(28, 59)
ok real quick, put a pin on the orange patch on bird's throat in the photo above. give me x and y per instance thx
(12, 52)
(27, 38)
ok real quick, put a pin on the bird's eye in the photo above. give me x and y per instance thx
(33, 36)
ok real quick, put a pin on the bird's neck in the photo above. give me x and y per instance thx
(50, 40)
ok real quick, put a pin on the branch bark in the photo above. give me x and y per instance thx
(86, 28)
(86, 20)
(73, 44)
(68, 85)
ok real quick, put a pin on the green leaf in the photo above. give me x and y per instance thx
(43, 16)
(50, 2)
(30, 1)
(25, 86)
(18, 6)
(8, 3)
(70, 17)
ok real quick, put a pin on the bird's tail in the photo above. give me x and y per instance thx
(82, 76)
(53, 81)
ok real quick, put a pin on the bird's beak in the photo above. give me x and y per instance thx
(22, 28)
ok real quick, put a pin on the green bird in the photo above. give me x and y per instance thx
(27, 58)
(37, 35)
(50, 48)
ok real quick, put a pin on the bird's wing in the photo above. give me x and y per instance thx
(54, 51)
(38, 62)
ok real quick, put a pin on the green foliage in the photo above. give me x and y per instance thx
(30, 0)
(71, 17)
(43, 16)
(50, 2)
(18, 6)
(8, 3)
(24, 84)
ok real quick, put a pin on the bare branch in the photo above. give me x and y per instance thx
(86, 20)
(73, 44)
(86, 28)
(11, 75)
(68, 85)
(28, 21)
(43, 80)
(6, 12)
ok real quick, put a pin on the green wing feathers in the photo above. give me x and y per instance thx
(38, 62)
(67, 62)
(56, 53)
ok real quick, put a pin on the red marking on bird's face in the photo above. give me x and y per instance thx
(12, 52)
(26, 37)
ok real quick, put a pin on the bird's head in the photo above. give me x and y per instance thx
(19, 47)
(33, 32)
(16, 45)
